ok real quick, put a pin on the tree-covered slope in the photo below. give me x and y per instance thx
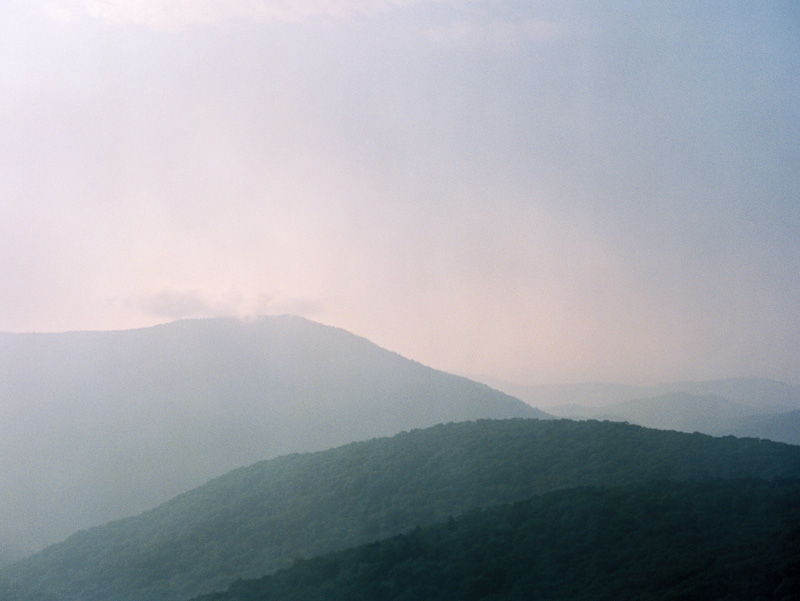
(696, 540)
(97, 426)
(255, 520)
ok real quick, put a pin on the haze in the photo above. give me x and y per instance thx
(537, 192)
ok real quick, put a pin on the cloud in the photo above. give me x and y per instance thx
(497, 34)
(178, 14)
(176, 305)
(180, 304)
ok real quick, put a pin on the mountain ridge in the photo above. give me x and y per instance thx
(116, 422)
(749, 407)
(663, 539)
(256, 519)
(764, 394)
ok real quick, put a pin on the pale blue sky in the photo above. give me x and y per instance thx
(541, 192)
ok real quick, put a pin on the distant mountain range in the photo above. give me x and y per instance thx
(96, 426)
(255, 520)
(740, 406)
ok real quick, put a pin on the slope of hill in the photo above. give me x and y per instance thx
(715, 539)
(96, 426)
(255, 520)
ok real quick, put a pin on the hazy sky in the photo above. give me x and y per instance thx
(537, 191)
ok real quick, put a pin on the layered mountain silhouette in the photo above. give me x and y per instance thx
(739, 406)
(782, 426)
(96, 426)
(760, 394)
(675, 411)
(710, 539)
(255, 520)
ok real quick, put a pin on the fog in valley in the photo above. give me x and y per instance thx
(260, 261)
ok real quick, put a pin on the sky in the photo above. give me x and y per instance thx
(539, 192)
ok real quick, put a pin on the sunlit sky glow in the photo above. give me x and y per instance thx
(535, 191)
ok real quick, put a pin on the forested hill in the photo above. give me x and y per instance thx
(698, 540)
(96, 426)
(256, 520)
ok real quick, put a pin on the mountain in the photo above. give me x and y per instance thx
(784, 427)
(675, 411)
(739, 406)
(763, 395)
(716, 539)
(255, 520)
(96, 426)
(693, 413)
(767, 396)
(581, 394)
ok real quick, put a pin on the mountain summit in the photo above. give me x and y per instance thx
(96, 426)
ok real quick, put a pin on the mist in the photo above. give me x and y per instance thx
(549, 193)
(244, 233)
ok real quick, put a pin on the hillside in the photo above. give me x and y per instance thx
(735, 539)
(96, 426)
(256, 520)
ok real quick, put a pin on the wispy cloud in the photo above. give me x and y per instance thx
(175, 305)
(180, 304)
(177, 14)
(497, 34)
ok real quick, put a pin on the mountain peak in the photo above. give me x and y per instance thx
(112, 423)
